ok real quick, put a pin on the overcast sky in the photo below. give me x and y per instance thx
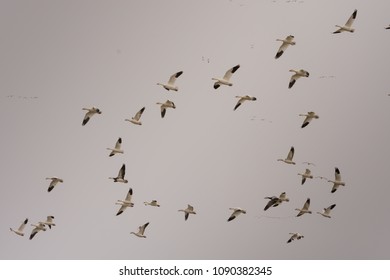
(60, 56)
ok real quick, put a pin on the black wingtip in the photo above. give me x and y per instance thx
(279, 54)
(231, 218)
(290, 85)
(235, 68)
(120, 212)
(354, 14)
(304, 124)
(178, 74)
(216, 85)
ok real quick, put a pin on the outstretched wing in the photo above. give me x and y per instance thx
(230, 72)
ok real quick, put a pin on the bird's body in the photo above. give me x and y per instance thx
(305, 208)
(125, 203)
(306, 175)
(348, 25)
(337, 180)
(117, 149)
(326, 212)
(19, 231)
(136, 118)
(152, 203)
(276, 201)
(226, 78)
(171, 82)
(49, 221)
(294, 236)
(242, 99)
(54, 182)
(141, 231)
(38, 227)
(236, 212)
(289, 158)
(189, 210)
(165, 105)
(91, 111)
(289, 41)
(309, 116)
(121, 175)
(298, 74)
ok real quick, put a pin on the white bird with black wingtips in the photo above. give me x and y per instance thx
(242, 99)
(295, 235)
(171, 82)
(236, 212)
(125, 203)
(309, 116)
(38, 227)
(92, 111)
(189, 210)
(121, 175)
(117, 149)
(348, 25)
(152, 203)
(136, 118)
(54, 182)
(165, 105)
(298, 74)
(49, 221)
(337, 180)
(306, 175)
(289, 158)
(276, 201)
(305, 208)
(141, 231)
(326, 212)
(226, 78)
(19, 231)
(289, 41)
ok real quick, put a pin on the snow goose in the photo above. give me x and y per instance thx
(135, 119)
(298, 74)
(171, 83)
(306, 175)
(305, 208)
(309, 116)
(242, 99)
(117, 149)
(236, 211)
(152, 203)
(49, 221)
(348, 24)
(19, 231)
(165, 105)
(125, 203)
(326, 211)
(92, 111)
(294, 236)
(121, 175)
(141, 231)
(189, 210)
(226, 78)
(286, 42)
(337, 180)
(54, 182)
(275, 201)
(289, 158)
(38, 227)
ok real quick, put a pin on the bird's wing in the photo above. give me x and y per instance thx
(118, 143)
(239, 102)
(334, 188)
(142, 228)
(306, 121)
(53, 183)
(230, 72)
(307, 204)
(163, 111)
(293, 79)
(123, 208)
(33, 233)
(281, 50)
(139, 114)
(122, 172)
(337, 174)
(269, 204)
(216, 85)
(291, 154)
(87, 116)
(173, 78)
(129, 195)
(23, 225)
(303, 180)
(232, 216)
(186, 214)
(351, 19)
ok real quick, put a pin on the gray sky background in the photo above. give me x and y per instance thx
(111, 54)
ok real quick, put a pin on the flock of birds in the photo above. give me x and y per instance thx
(170, 85)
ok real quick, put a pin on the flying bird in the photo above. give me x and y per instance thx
(135, 119)
(19, 231)
(294, 236)
(289, 158)
(236, 211)
(305, 208)
(306, 175)
(337, 180)
(54, 182)
(348, 24)
(242, 99)
(275, 201)
(286, 42)
(152, 203)
(125, 203)
(117, 149)
(90, 113)
(189, 210)
(38, 227)
(309, 116)
(326, 211)
(171, 83)
(226, 78)
(165, 105)
(141, 231)
(49, 221)
(298, 74)
(121, 175)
